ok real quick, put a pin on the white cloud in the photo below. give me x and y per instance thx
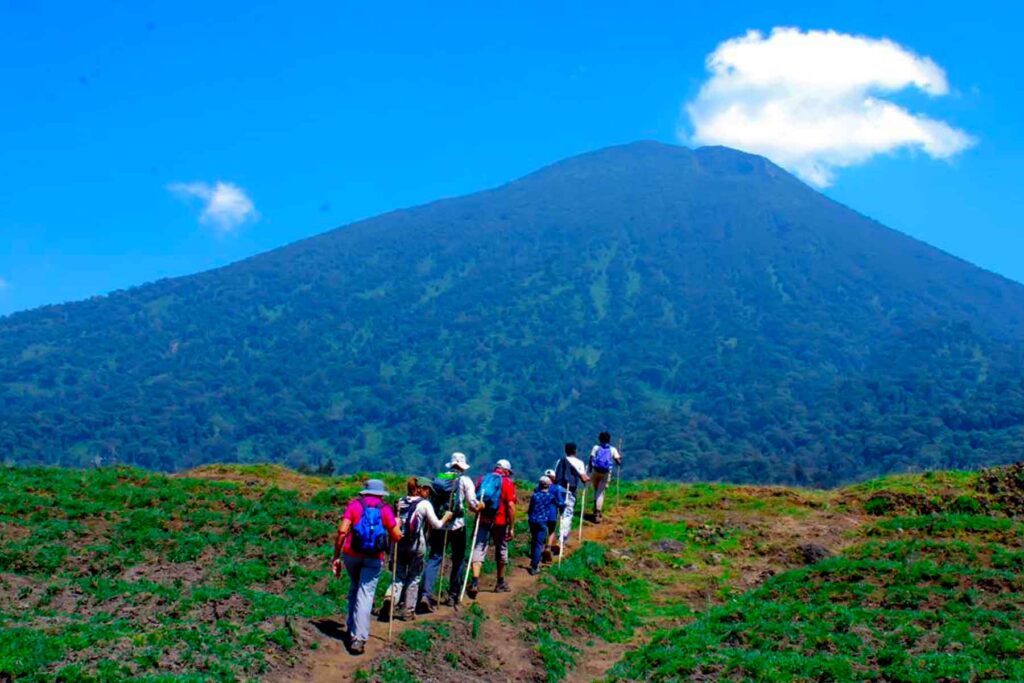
(812, 101)
(4, 284)
(226, 207)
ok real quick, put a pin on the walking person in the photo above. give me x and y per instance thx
(603, 458)
(542, 511)
(496, 519)
(570, 473)
(560, 493)
(451, 490)
(415, 517)
(361, 546)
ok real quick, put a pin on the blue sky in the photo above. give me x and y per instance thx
(119, 119)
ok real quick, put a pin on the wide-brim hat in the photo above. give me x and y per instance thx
(374, 487)
(458, 460)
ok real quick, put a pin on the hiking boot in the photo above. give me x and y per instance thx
(425, 607)
(503, 587)
(446, 600)
(385, 610)
(547, 556)
(453, 600)
(556, 550)
(533, 571)
(473, 588)
(407, 615)
(358, 647)
(597, 518)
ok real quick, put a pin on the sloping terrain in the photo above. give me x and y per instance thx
(732, 322)
(118, 574)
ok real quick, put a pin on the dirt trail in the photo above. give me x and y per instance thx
(515, 659)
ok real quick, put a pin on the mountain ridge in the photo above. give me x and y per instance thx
(731, 320)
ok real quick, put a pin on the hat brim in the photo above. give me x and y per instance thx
(458, 465)
(371, 492)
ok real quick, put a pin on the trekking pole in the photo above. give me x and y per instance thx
(618, 477)
(469, 565)
(583, 507)
(444, 547)
(394, 598)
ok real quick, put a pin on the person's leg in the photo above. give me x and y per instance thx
(432, 568)
(368, 576)
(352, 567)
(600, 484)
(457, 548)
(567, 517)
(538, 532)
(500, 554)
(400, 582)
(412, 579)
(480, 543)
(483, 536)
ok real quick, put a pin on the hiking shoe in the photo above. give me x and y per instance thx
(407, 615)
(503, 587)
(453, 600)
(547, 556)
(425, 607)
(473, 588)
(597, 518)
(446, 600)
(556, 550)
(533, 571)
(358, 647)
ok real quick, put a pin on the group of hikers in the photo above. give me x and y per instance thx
(429, 524)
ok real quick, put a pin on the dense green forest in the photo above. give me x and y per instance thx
(723, 318)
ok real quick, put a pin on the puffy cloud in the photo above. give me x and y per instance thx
(226, 205)
(813, 101)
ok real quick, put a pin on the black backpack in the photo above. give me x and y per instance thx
(412, 533)
(445, 494)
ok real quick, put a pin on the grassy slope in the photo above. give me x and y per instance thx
(112, 573)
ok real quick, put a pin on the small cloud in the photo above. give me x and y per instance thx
(4, 284)
(813, 101)
(226, 208)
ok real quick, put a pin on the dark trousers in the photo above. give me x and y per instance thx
(538, 539)
(457, 549)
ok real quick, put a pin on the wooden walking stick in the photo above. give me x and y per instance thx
(583, 508)
(394, 598)
(619, 449)
(444, 547)
(469, 565)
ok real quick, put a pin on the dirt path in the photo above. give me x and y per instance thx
(515, 659)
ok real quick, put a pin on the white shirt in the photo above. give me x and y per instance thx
(422, 517)
(575, 470)
(467, 492)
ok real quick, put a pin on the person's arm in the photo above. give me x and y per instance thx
(387, 515)
(510, 509)
(431, 516)
(469, 493)
(617, 455)
(582, 471)
(339, 543)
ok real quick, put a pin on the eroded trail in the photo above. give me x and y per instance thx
(497, 653)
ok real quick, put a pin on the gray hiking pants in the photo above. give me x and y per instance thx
(363, 574)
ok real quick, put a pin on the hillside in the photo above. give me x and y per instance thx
(727, 320)
(120, 574)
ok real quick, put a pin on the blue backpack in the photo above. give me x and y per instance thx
(543, 507)
(490, 492)
(603, 460)
(368, 534)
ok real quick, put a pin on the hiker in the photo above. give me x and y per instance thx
(363, 535)
(560, 493)
(570, 472)
(603, 458)
(496, 519)
(415, 515)
(543, 511)
(452, 490)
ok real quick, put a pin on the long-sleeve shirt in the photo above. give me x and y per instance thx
(467, 494)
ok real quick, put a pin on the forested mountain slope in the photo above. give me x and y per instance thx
(727, 320)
